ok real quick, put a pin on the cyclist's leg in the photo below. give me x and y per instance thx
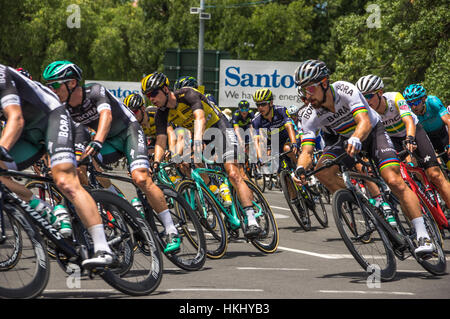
(60, 146)
(428, 160)
(329, 177)
(133, 144)
(389, 167)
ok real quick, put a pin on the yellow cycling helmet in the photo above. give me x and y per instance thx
(153, 81)
(262, 95)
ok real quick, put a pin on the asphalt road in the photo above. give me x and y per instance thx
(307, 265)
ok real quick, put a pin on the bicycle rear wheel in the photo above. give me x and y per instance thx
(298, 207)
(365, 240)
(139, 274)
(213, 226)
(435, 263)
(28, 276)
(267, 241)
(192, 253)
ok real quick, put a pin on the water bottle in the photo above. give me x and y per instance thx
(214, 189)
(43, 209)
(137, 204)
(175, 179)
(225, 194)
(63, 220)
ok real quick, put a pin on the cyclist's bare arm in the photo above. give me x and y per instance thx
(14, 126)
(160, 147)
(104, 124)
(362, 131)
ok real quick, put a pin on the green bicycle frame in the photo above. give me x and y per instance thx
(231, 212)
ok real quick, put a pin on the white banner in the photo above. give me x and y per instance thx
(118, 88)
(239, 79)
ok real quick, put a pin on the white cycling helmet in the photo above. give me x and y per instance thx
(293, 109)
(369, 83)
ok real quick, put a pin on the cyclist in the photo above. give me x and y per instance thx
(25, 72)
(190, 109)
(274, 120)
(37, 122)
(242, 122)
(185, 81)
(146, 117)
(117, 133)
(243, 128)
(433, 116)
(340, 107)
(404, 127)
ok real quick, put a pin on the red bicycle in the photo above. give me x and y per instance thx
(417, 180)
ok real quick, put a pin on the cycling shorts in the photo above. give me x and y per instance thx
(439, 139)
(225, 147)
(54, 136)
(131, 143)
(378, 146)
(425, 152)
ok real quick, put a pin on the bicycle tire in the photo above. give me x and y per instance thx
(346, 219)
(10, 237)
(192, 254)
(213, 225)
(322, 217)
(147, 269)
(437, 264)
(300, 207)
(258, 178)
(269, 181)
(33, 262)
(268, 240)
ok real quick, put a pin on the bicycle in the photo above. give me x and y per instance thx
(134, 274)
(192, 254)
(308, 197)
(417, 180)
(203, 200)
(368, 236)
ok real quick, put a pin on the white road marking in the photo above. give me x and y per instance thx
(259, 268)
(367, 292)
(326, 256)
(214, 289)
(282, 208)
(280, 216)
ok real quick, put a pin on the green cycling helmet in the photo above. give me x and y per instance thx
(62, 70)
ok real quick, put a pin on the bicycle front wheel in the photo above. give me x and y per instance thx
(297, 205)
(267, 241)
(192, 253)
(141, 273)
(209, 216)
(319, 207)
(366, 241)
(436, 262)
(28, 275)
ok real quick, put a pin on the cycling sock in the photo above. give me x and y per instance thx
(250, 216)
(167, 221)
(98, 236)
(419, 226)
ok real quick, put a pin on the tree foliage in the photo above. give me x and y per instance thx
(119, 40)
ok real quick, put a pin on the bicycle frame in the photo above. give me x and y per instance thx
(231, 214)
(434, 208)
(49, 231)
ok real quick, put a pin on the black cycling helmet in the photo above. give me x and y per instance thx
(154, 81)
(185, 81)
(134, 101)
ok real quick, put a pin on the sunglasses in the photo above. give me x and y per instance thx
(56, 85)
(243, 110)
(414, 102)
(310, 89)
(153, 93)
(262, 104)
(369, 96)
(136, 111)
